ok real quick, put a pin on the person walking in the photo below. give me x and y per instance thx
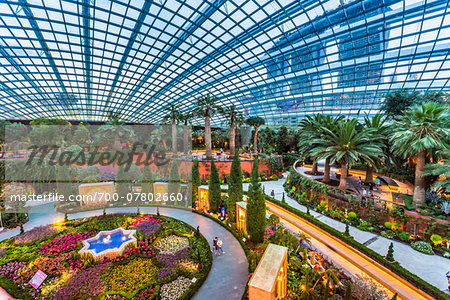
(219, 246)
(214, 249)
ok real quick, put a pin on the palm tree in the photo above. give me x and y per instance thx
(381, 129)
(114, 129)
(317, 142)
(256, 122)
(349, 143)
(303, 238)
(232, 116)
(419, 131)
(442, 170)
(206, 107)
(185, 118)
(172, 116)
(310, 128)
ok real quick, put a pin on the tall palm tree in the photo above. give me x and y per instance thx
(378, 123)
(318, 142)
(349, 143)
(422, 129)
(232, 116)
(185, 118)
(172, 116)
(256, 122)
(238, 123)
(310, 130)
(206, 107)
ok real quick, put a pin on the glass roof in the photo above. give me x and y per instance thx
(279, 59)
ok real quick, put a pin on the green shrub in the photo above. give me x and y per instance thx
(436, 239)
(404, 236)
(274, 177)
(323, 204)
(388, 225)
(352, 215)
(423, 247)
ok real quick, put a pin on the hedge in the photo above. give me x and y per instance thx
(395, 267)
(12, 289)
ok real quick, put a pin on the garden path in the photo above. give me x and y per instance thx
(229, 273)
(430, 268)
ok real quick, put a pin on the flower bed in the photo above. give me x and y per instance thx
(64, 243)
(175, 289)
(37, 233)
(159, 259)
(172, 244)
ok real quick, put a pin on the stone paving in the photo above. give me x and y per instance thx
(430, 268)
(229, 273)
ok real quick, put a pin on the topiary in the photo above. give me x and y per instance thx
(436, 239)
(323, 204)
(388, 225)
(390, 254)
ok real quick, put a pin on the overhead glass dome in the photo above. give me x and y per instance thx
(279, 59)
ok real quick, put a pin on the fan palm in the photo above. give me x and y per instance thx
(443, 171)
(206, 107)
(421, 129)
(317, 140)
(232, 116)
(378, 123)
(310, 127)
(348, 144)
(172, 116)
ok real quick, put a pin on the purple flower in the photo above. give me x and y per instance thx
(37, 233)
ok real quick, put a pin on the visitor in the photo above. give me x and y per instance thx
(371, 189)
(377, 182)
(364, 192)
(219, 246)
(214, 250)
(272, 194)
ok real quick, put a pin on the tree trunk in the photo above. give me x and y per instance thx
(174, 136)
(117, 145)
(255, 140)
(208, 137)
(343, 180)
(185, 139)
(326, 171)
(369, 174)
(419, 183)
(237, 139)
(232, 139)
(315, 167)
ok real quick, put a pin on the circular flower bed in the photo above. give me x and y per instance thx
(163, 264)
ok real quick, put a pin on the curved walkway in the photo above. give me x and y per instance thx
(229, 273)
(430, 268)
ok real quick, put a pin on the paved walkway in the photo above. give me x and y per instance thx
(229, 273)
(430, 268)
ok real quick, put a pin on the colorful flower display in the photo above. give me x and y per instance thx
(138, 274)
